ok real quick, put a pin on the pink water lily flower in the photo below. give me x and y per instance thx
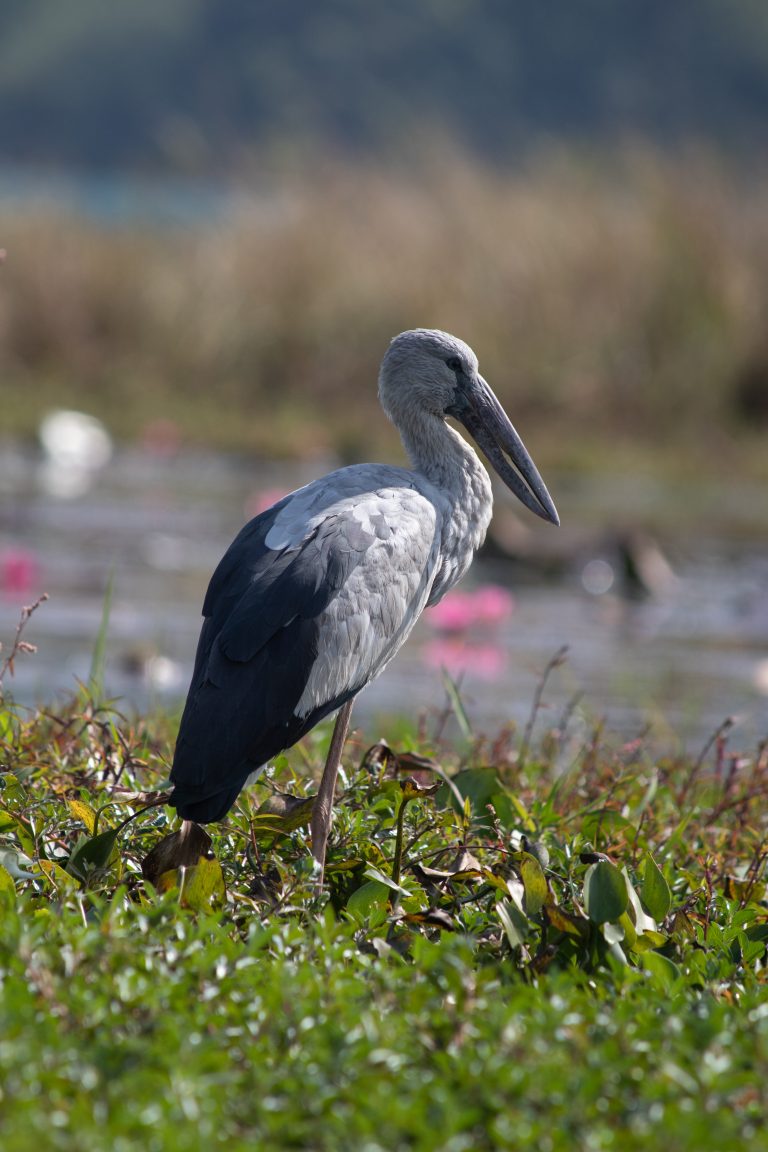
(489, 604)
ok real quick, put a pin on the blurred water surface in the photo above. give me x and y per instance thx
(158, 521)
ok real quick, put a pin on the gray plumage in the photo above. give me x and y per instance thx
(316, 595)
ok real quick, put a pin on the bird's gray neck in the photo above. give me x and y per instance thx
(451, 465)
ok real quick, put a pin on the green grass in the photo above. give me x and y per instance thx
(534, 955)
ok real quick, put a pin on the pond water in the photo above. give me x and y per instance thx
(158, 520)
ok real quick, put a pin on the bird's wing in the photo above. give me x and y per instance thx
(309, 603)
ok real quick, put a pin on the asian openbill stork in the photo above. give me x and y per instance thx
(316, 595)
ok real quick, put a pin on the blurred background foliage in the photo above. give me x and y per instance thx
(576, 190)
(191, 83)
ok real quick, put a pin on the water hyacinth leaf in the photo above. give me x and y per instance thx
(605, 893)
(368, 898)
(84, 813)
(203, 885)
(655, 892)
(92, 853)
(534, 883)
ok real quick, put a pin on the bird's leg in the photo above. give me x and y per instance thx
(322, 810)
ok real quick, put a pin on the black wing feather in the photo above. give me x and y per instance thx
(257, 646)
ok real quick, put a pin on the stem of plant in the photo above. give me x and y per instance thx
(398, 858)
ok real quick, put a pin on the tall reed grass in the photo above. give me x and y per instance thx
(624, 301)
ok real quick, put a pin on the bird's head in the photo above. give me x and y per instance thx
(437, 373)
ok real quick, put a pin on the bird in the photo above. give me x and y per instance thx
(318, 593)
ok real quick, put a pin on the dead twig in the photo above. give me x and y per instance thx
(20, 645)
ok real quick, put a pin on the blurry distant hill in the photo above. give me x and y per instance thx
(193, 84)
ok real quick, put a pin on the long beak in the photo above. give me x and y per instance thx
(489, 424)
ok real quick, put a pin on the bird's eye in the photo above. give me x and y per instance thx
(454, 363)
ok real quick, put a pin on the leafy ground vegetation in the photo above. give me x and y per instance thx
(520, 944)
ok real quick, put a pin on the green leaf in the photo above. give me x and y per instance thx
(369, 897)
(567, 922)
(98, 658)
(459, 711)
(90, 854)
(663, 971)
(374, 874)
(605, 893)
(511, 923)
(203, 885)
(655, 892)
(281, 813)
(7, 720)
(650, 940)
(511, 812)
(535, 884)
(12, 788)
(642, 921)
(56, 875)
(630, 931)
(7, 891)
(602, 820)
(476, 786)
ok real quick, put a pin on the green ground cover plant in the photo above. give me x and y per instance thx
(521, 944)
